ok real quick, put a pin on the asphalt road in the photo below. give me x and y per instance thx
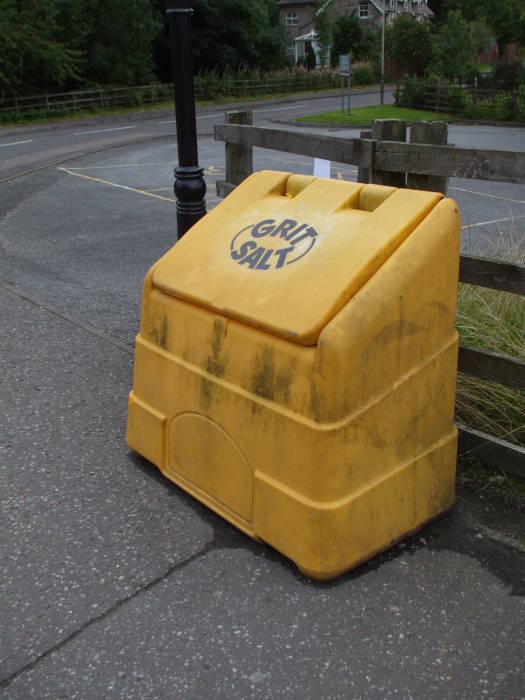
(493, 214)
(116, 584)
(25, 148)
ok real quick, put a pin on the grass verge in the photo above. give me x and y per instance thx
(365, 115)
(495, 321)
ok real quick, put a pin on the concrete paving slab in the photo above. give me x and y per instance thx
(85, 526)
(237, 624)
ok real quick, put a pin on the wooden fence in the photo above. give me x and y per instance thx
(383, 157)
(494, 103)
(208, 87)
(454, 99)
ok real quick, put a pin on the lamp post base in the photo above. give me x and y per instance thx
(190, 190)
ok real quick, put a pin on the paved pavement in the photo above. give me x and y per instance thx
(117, 584)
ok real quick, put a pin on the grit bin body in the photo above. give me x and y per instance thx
(296, 364)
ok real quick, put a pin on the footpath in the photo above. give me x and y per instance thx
(116, 584)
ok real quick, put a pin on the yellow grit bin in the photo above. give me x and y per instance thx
(296, 364)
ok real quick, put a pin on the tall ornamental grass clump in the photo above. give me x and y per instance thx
(495, 321)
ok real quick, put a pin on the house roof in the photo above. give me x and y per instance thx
(307, 37)
(283, 3)
(379, 5)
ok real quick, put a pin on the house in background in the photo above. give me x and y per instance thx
(299, 17)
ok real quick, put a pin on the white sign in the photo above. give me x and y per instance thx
(344, 65)
(321, 167)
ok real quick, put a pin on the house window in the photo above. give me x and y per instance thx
(363, 10)
(291, 19)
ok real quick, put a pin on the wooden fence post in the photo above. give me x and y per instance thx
(435, 133)
(389, 130)
(366, 162)
(239, 158)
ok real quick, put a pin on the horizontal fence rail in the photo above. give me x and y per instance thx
(390, 156)
(492, 366)
(495, 452)
(493, 274)
(207, 87)
(417, 163)
(470, 163)
(328, 147)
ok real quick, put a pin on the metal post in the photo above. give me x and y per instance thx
(383, 60)
(189, 187)
(342, 94)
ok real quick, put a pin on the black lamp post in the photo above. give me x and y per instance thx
(189, 187)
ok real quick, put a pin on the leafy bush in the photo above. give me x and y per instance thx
(411, 94)
(456, 99)
(506, 74)
(409, 44)
(347, 37)
(364, 73)
(503, 106)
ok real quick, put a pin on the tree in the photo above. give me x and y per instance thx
(231, 34)
(470, 9)
(504, 19)
(120, 41)
(503, 16)
(31, 59)
(521, 29)
(323, 26)
(409, 43)
(347, 37)
(480, 35)
(452, 51)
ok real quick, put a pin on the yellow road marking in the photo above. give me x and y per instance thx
(208, 169)
(114, 184)
(486, 194)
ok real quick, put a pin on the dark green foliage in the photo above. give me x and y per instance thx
(504, 17)
(236, 33)
(120, 42)
(452, 51)
(348, 38)
(508, 74)
(323, 25)
(31, 57)
(53, 45)
(409, 43)
(411, 93)
(456, 99)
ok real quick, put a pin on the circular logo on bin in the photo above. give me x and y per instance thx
(271, 244)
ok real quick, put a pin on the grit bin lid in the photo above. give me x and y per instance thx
(284, 253)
